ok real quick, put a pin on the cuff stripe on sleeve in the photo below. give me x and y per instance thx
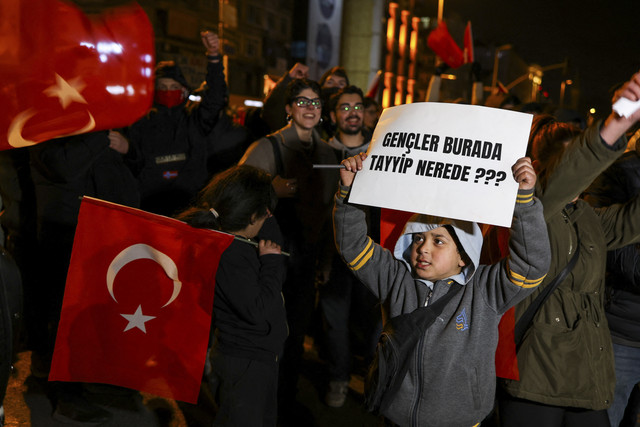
(363, 257)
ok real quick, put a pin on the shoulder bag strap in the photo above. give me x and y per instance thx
(524, 323)
(277, 155)
(422, 318)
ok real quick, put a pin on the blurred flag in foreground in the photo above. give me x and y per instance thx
(64, 72)
(441, 42)
(138, 301)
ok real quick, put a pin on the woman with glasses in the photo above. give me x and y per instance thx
(303, 213)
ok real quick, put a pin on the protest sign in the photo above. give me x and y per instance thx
(449, 160)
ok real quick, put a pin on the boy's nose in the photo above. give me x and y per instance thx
(423, 247)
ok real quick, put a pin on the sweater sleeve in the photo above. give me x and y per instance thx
(374, 265)
(526, 266)
(585, 158)
(260, 154)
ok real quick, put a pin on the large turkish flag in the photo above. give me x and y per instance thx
(138, 301)
(66, 73)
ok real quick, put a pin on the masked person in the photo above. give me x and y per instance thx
(167, 147)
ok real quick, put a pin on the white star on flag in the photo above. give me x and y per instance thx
(67, 92)
(137, 320)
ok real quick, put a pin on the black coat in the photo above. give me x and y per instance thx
(168, 148)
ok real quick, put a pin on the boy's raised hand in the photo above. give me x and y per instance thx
(524, 174)
(351, 166)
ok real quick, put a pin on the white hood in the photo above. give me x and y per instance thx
(468, 234)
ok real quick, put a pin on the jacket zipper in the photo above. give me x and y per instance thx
(414, 410)
(416, 402)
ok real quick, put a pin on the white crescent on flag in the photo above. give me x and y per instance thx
(144, 251)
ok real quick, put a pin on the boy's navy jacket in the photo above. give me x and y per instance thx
(452, 381)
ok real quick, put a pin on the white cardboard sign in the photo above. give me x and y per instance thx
(449, 160)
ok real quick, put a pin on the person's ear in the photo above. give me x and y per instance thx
(254, 219)
(287, 108)
(461, 262)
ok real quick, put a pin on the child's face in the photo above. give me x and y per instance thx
(434, 255)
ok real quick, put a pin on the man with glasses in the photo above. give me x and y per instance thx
(344, 301)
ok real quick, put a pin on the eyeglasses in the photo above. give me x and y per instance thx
(303, 101)
(346, 107)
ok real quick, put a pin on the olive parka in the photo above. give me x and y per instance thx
(566, 356)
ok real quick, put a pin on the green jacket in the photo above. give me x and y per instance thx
(566, 358)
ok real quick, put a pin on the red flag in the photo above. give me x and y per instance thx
(496, 247)
(441, 42)
(392, 223)
(468, 44)
(66, 73)
(372, 91)
(138, 301)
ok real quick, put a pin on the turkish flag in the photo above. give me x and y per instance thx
(441, 42)
(468, 44)
(138, 301)
(64, 72)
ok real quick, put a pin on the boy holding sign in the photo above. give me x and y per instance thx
(451, 377)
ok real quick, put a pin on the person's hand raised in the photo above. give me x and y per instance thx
(211, 42)
(524, 174)
(351, 166)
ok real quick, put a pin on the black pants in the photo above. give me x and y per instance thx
(515, 412)
(247, 391)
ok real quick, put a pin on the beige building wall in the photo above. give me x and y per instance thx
(362, 37)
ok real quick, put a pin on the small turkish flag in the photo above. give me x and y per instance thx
(65, 73)
(441, 42)
(138, 301)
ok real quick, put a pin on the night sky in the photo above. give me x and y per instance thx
(600, 38)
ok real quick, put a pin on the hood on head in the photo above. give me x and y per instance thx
(171, 70)
(468, 234)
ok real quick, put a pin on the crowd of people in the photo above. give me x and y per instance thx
(308, 263)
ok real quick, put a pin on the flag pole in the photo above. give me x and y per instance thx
(251, 242)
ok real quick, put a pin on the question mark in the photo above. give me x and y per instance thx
(479, 174)
(490, 175)
(501, 176)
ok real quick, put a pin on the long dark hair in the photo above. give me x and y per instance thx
(548, 141)
(236, 195)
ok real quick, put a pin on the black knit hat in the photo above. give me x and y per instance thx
(170, 70)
